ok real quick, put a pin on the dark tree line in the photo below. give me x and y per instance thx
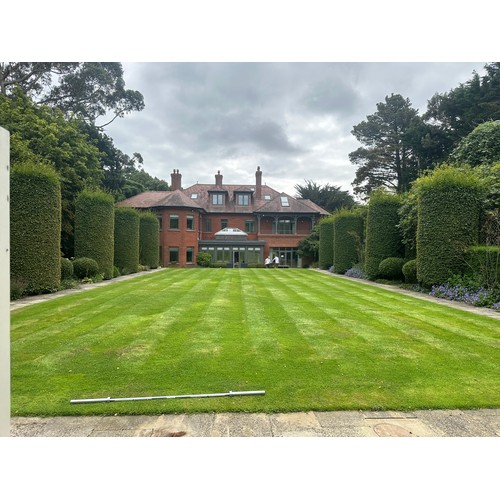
(56, 114)
(398, 144)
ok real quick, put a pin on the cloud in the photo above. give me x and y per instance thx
(292, 119)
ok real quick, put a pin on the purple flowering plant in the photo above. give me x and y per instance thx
(467, 290)
(356, 272)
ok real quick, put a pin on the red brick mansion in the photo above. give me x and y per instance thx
(238, 225)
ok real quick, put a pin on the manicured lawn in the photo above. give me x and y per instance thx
(312, 341)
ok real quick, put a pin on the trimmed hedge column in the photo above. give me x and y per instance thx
(484, 263)
(94, 229)
(126, 255)
(35, 228)
(325, 243)
(348, 230)
(383, 238)
(449, 205)
(149, 240)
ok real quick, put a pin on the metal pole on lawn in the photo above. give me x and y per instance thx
(182, 396)
(4, 280)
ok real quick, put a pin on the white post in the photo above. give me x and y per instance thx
(4, 284)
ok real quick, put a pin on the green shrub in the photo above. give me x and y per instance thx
(383, 238)
(35, 227)
(483, 262)
(149, 240)
(203, 259)
(85, 267)
(94, 229)
(348, 229)
(391, 268)
(116, 272)
(326, 242)
(408, 218)
(449, 205)
(410, 271)
(17, 288)
(480, 147)
(66, 269)
(126, 253)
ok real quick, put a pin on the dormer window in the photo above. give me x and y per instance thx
(217, 199)
(284, 201)
(243, 199)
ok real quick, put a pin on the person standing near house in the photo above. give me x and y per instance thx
(267, 262)
(276, 261)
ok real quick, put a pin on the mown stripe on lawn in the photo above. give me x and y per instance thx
(311, 340)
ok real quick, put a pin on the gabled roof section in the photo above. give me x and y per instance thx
(152, 199)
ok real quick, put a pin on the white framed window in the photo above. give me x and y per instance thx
(243, 199)
(217, 199)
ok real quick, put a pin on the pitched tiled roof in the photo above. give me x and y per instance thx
(198, 196)
(150, 199)
(294, 206)
(313, 205)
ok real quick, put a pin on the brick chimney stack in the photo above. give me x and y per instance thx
(176, 183)
(218, 178)
(258, 184)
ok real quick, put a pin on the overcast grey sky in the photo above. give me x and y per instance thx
(294, 120)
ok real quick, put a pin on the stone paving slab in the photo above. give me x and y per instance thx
(456, 423)
(195, 425)
(429, 423)
(241, 425)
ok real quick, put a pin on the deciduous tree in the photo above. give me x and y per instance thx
(480, 147)
(42, 135)
(89, 90)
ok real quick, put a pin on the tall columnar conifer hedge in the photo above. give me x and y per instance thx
(149, 240)
(35, 227)
(94, 229)
(126, 254)
(449, 207)
(483, 262)
(348, 232)
(326, 243)
(383, 238)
